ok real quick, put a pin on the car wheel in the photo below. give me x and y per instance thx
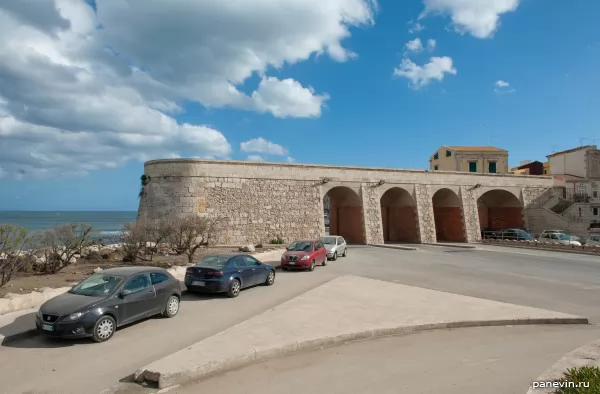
(345, 252)
(270, 278)
(334, 256)
(312, 266)
(172, 307)
(104, 329)
(234, 288)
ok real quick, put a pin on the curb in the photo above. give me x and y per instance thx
(585, 355)
(583, 252)
(398, 247)
(463, 246)
(208, 369)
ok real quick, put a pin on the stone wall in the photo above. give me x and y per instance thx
(262, 201)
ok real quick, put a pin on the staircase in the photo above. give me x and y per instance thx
(545, 213)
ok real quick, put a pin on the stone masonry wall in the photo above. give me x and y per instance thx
(262, 201)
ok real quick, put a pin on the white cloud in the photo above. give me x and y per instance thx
(503, 87)
(415, 45)
(261, 145)
(431, 43)
(76, 98)
(480, 18)
(255, 158)
(290, 159)
(415, 27)
(287, 98)
(420, 76)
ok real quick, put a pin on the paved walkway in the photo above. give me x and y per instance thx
(346, 308)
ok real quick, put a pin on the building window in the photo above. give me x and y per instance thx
(436, 156)
(595, 193)
(448, 153)
(579, 212)
(435, 168)
(595, 211)
(492, 167)
(472, 166)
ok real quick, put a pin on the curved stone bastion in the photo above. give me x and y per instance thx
(264, 201)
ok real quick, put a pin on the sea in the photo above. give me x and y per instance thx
(106, 225)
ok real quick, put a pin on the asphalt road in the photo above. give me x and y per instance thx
(556, 281)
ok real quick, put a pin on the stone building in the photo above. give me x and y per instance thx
(263, 201)
(480, 159)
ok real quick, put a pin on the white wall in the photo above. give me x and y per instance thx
(572, 163)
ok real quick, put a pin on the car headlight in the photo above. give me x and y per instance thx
(304, 258)
(39, 313)
(76, 315)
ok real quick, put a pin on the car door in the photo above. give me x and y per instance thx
(161, 284)
(343, 246)
(244, 271)
(141, 302)
(259, 270)
(321, 252)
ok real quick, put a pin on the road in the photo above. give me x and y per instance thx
(557, 281)
(462, 361)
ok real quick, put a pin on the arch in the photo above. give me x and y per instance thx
(448, 215)
(500, 209)
(399, 216)
(345, 214)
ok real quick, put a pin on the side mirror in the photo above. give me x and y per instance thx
(125, 293)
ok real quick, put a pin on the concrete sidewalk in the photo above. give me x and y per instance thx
(347, 308)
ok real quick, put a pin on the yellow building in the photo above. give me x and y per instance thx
(480, 159)
(547, 168)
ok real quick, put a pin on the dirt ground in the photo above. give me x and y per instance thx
(25, 282)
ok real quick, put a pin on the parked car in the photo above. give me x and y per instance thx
(593, 240)
(100, 304)
(516, 234)
(304, 255)
(558, 238)
(571, 237)
(228, 273)
(336, 246)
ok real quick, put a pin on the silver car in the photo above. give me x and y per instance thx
(558, 238)
(593, 240)
(336, 246)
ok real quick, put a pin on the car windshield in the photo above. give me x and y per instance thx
(524, 234)
(212, 261)
(300, 247)
(328, 240)
(97, 285)
(563, 237)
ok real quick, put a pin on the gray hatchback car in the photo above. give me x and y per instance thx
(336, 246)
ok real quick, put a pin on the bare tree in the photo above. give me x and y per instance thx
(192, 232)
(159, 231)
(134, 239)
(62, 243)
(12, 242)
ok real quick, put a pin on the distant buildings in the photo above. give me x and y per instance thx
(480, 159)
(528, 168)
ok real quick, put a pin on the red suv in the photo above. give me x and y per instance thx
(304, 255)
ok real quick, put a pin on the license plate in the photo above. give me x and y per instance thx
(47, 327)
(198, 283)
(292, 263)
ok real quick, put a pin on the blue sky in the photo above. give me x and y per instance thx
(58, 156)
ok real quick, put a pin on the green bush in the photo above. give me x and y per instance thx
(277, 241)
(587, 374)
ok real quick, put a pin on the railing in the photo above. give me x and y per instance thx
(503, 234)
(579, 197)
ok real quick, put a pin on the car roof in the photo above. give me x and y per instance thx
(225, 256)
(128, 271)
(306, 240)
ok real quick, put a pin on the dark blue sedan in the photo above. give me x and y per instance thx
(228, 273)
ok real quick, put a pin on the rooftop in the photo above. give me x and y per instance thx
(584, 147)
(475, 148)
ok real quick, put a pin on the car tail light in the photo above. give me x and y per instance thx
(217, 274)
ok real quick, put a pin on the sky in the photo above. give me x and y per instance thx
(89, 91)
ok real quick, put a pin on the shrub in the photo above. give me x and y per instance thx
(590, 375)
(192, 232)
(13, 240)
(277, 241)
(62, 243)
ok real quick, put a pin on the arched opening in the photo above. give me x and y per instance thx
(499, 210)
(343, 213)
(449, 226)
(399, 216)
